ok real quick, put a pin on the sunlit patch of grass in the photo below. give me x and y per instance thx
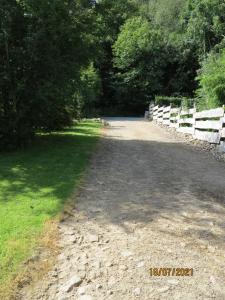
(34, 186)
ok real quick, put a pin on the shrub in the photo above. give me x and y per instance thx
(174, 101)
(211, 92)
(183, 102)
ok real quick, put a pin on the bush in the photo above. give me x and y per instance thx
(211, 92)
(187, 103)
(183, 102)
(166, 101)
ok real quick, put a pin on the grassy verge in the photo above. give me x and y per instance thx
(34, 185)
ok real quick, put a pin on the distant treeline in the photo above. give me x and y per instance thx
(64, 60)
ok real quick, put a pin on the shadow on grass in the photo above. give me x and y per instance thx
(51, 166)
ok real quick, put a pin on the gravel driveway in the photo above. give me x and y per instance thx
(148, 201)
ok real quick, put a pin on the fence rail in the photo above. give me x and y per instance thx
(207, 125)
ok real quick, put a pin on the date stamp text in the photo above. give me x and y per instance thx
(171, 271)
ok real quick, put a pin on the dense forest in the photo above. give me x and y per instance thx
(64, 60)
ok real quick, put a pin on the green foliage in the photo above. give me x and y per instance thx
(88, 93)
(183, 102)
(166, 101)
(204, 23)
(110, 16)
(211, 92)
(43, 46)
(138, 43)
(164, 13)
(187, 103)
(34, 185)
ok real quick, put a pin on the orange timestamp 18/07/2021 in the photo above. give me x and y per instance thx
(171, 271)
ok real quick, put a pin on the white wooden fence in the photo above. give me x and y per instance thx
(207, 125)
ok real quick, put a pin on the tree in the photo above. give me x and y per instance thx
(88, 93)
(43, 46)
(140, 58)
(12, 68)
(182, 57)
(110, 16)
(164, 14)
(204, 21)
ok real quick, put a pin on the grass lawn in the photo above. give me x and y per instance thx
(34, 185)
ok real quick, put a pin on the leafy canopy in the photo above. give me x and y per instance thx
(43, 46)
(139, 56)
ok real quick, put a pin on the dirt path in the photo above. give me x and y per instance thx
(148, 201)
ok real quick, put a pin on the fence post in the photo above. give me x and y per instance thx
(222, 119)
(222, 133)
(178, 118)
(151, 106)
(194, 123)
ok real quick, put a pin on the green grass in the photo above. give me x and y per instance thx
(34, 185)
